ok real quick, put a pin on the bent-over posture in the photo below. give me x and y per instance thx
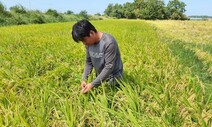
(102, 54)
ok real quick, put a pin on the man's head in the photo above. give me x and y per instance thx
(84, 31)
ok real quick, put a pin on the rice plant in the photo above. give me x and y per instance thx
(41, 69)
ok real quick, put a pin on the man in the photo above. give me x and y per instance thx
(102, 54)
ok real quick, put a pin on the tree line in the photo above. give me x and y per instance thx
(139, 9)
(17, 15)
(148, 9)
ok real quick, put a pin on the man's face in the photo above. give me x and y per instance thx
(90, 40)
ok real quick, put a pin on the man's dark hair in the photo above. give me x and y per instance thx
(82, 29)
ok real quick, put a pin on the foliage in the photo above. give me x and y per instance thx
(114, 11)
(3, 12)
(108, 10)
(69, 12)
(176, 10)
(153, 9)
(52, 12)
(83, 14)
(97, 14)
(19, 15)
(36, 17)
(148, 9)
(18, 9)
(2, 8)
(128, 10)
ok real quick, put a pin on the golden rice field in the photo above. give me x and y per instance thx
(198, 32)
(167, 76)
(191, 42)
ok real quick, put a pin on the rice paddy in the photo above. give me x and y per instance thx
(41, 68)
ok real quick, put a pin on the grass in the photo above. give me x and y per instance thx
(41, 70)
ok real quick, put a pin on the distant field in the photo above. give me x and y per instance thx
(191, 43)
(198, 32)
(167, 76)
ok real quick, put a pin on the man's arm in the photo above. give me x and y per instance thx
(88, 66)
(110, 55)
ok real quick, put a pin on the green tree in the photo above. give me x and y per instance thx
(128, 10)
(147, 9)
(2, 8)
(3, 11)
(153, 9)
(114, 11)
(117, 11)
(97, 14)
(69, 12)
(108, 10)
(18, 9)
(176, 9)
(138, 6)
(84, 14)
(36, 17)
(52, 12)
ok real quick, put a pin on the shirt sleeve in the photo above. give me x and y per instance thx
(88, 66)
(110, 55)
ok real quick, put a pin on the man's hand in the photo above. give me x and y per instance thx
(87, 88)
(83, 84)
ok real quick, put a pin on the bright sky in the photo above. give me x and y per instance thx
(194, 7)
